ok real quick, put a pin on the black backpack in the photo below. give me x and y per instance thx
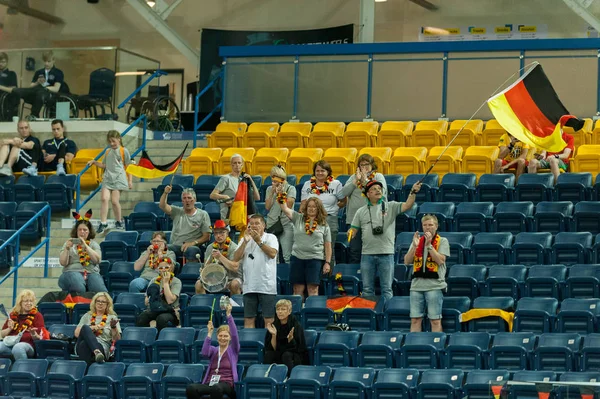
(338, 327)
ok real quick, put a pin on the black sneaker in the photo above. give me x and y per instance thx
(119, 226)
(102, 227)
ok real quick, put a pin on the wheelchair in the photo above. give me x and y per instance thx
(160, 109)
(48, 111)
(9, 106)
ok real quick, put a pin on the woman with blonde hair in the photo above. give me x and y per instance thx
(22, 328)
(280, 226)
(97, 329)
(284, 340)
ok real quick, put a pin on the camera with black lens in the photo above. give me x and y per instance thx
(377, 230)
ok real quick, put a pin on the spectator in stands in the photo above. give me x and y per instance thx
(354, 191)
(513, 155)
(427, 254)
(323, 186)
(80, 257)
(312, 250)
(58, 151)
(222, 251)
(22, 328)
(222, 362)
(284, 341)
(191, 226)
(277, 225)
(148, 261)
(114, 180)
(20, 154)
(227, 186)
(556, 161)
(258, 252)
(8, 82)
(377, 220)
(162, 298)
(46, 82)
(97, 329)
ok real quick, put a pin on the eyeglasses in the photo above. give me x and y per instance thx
(102, 302)
(364, 164)
(157, 241)
(164, 267)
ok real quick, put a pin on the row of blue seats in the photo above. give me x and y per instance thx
(58, 191)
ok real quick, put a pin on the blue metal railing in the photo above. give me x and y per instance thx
(16, 238)
(219, 106)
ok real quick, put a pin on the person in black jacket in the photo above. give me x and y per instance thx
(284, 341)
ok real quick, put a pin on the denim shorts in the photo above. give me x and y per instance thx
(433, 299)
(305, 271)
(266, 301)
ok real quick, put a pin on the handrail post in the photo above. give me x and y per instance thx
(156, 73)
(16, 266)
(47, 251)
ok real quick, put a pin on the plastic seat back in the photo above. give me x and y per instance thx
(513, 216)
(495, 187)
(490, 248)
(421, 350)
(473, 217)
(556, 352)
(336, 348)
(571, 248)
(511, 350)
(553, 217)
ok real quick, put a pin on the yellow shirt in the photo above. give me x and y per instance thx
(515, 148)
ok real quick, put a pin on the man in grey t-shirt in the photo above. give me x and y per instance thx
(377, 221)
(428, 255)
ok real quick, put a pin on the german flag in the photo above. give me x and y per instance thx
(146, 169)
(531, 111)
(243, 206)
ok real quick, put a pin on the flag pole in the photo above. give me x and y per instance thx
(534, 63)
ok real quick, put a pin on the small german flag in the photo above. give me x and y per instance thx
(146, 169)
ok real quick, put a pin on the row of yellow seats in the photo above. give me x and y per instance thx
(586, 159)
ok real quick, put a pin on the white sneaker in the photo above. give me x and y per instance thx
(6, 171)
(60, 170)
(30, 171)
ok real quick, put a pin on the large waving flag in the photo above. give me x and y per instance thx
(146, 169)
(243, 206)
(531, 111)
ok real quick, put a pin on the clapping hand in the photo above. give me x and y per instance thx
(113, 323)
(428, 237)
(255, 236)
(359, 175)
(416, 239)
(35, 334)
(271, 328)
(290, 336)
(10, 324)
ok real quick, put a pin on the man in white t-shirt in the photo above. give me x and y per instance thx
(258, 253)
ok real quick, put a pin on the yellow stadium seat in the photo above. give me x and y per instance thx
(93, 175)
(582, 136)
(327, 135)
(266, 158)
(492, 133)
(227, 134)
(382, 157)
(595, 139)
(342, 160)
(395, 134)
(260, 135)
(450, 161)
(225, 160)
(408, 160)
(301, 161)
(202, 161)
(587, 159)
(480, 159)
(360, 134)
(470, 134)
(293, 135)
(430, 134)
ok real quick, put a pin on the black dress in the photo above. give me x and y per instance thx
(291, 353)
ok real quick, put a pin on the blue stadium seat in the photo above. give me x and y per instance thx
(351, 382)
(513, 217)
(172, 345)
(531, 248)
(535, 315)
(583, 282)
(5, 364)
(179, 182)
(336, 348)
(200, 309)
(573, 187)
(101, 380)
(7, 255)
(452, 308)
(28, 188)
(362, 319)
(505, 280)
(63, 379)
(586, 217)
(53, 312)
(7, 215)
(146, 216)
(25, 377)
(401, 284)
(490, 248)
(529, 391)
(263, 381)
(511, 351)
(315, 314)
(58, 191)
(595, 255)
(204, 186)
(465, 280)
(495, 187)
(473, 217)
(178, 377)
(491, 324)
(308, 382)
(395, 383)
(141, 380)
(394, 186)
(407, 221)
(134, 345)
(284, 287)
(440, 384)
(396, 314)
(119, 245)
(311, 337)
(460, 244)
(120, 275)
(378, 349)
(252, 343)
(402, 244)
(534, 187)
(572, 248)
(428, 188)
(545, 281)
(578, 315)
(574, 392)
(25, 212)
(553, 217)
(457, 187)
(190, 273)
(479, 382)
(350, 278)
(590, 353)
(466, 350)
(421, 350)
(7, 184)
(56, 349)
(208, 179)
(128, 306)
(556, 352)
(444, 211)
(214, 211)
(78, 311)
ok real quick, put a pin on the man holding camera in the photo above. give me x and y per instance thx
(377, 222)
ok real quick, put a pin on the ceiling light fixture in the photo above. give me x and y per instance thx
(380, 1)
(151, 3)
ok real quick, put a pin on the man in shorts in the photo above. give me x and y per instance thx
(222, 251)
(257, 251)
(555, 161)
(20, 154)
(513, 155)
